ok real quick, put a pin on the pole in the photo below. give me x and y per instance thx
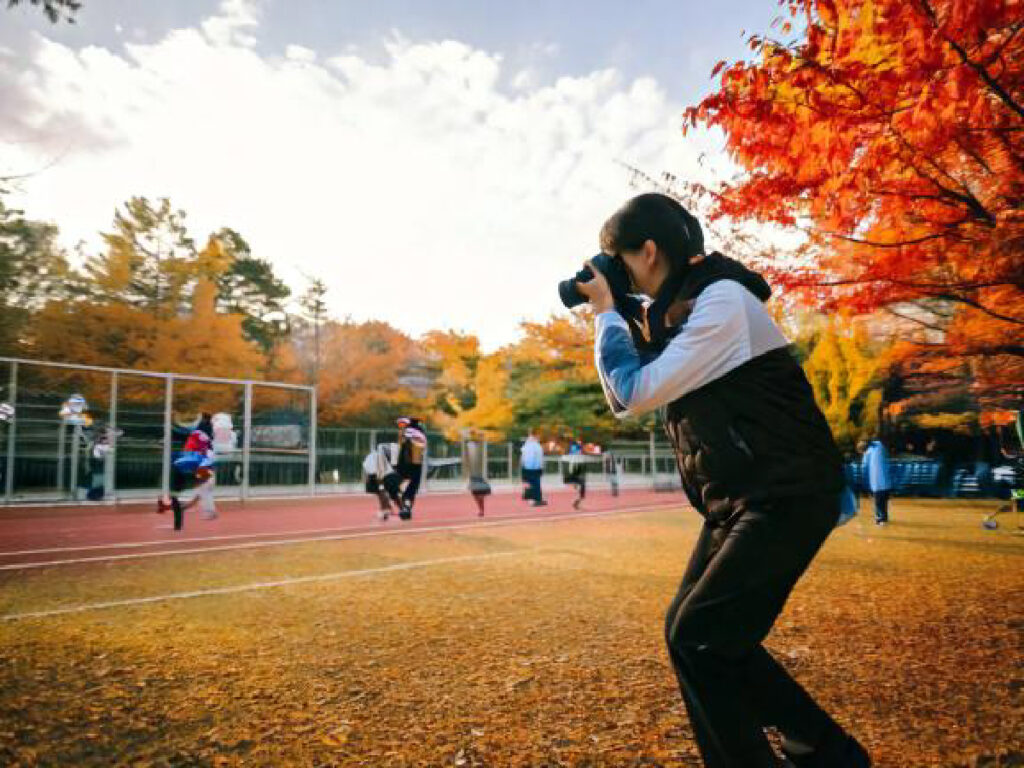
(11, 428)
(60, 456)
(312, 442)
(424, 475)
(109, 475)
(511, 459)
(246, 439)
(165, 470)
(654, 465)
(76, 445)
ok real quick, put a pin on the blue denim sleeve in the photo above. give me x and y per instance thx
(618, 362)
(715, 340)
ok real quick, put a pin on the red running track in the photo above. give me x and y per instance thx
(33, 537)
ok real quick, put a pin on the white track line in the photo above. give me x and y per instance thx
(337, 537)
(261, 585)
(196, 539)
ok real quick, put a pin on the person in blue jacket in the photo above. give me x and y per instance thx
(878, 478)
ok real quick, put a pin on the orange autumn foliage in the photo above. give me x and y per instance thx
(453, 359)
(366, 374)
(202, 342)
(561, 348)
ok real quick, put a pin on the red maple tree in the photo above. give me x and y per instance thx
(892, 132)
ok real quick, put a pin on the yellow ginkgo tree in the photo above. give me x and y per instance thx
(846, 370)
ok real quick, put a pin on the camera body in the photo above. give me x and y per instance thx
(629, 306)
(614, 272)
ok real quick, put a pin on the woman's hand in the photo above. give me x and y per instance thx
(597, 290)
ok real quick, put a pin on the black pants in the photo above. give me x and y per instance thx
(412, 473)
(532, 478)
(881, 506)
(580, 481)
(373, 486)
(734, 588)
(179, 483)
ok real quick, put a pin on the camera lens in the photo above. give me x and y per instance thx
(570, 294)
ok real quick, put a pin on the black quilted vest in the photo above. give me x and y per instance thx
(756, 433)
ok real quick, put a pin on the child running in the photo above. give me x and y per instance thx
(576, 472)
(203, 497)
(195, 454)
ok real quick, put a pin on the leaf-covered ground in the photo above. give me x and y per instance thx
(540, 647)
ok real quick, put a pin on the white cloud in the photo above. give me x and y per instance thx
(415, 186)
(235, 16)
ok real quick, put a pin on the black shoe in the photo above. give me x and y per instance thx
(838, 750)
(405, 512)
(540, 503)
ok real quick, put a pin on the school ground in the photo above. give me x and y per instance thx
(305, 632)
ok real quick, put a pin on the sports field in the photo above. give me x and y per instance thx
(307, 633)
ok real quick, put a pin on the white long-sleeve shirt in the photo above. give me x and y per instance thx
(727, 327)
(533, 454)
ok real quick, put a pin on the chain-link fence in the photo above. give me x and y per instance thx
(637, 463)
(78, 432)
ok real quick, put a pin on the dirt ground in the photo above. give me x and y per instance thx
(524, 645)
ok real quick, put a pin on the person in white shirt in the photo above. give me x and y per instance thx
(371, 467)
(533, 469)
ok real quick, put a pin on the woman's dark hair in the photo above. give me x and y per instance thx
(205, 424)
(653, 217)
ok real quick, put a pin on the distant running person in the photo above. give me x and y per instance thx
(613, 469)
(412, 450)
(203, 496)
(576, 472)
(473, 467)
(197, 452)
(371, 469)
(533, 469)
(388, 479)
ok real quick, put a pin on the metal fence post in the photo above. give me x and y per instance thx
(165, 470)
(313, 465)
(424, 474)
(61, 445)
(654, 461)
(12, 427)
(511, 458)
(76, 448)
(246, 439)
(109, 472)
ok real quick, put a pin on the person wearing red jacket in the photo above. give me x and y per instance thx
(197, 452)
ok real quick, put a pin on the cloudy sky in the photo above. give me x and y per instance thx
(439, 164)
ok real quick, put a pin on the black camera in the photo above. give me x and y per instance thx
(609, 266)
(629, 306)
